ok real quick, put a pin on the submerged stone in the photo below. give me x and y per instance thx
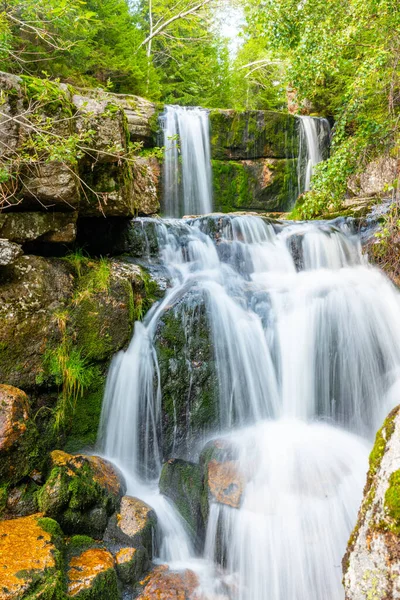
(30, 558)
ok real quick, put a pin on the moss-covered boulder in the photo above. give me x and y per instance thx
(81, 492)
(92, 576)
(133, 525)
(182, 482)
(19, 439)
(131, 564)
(188, 375)
(264, 184)
(30, 559)
(252, 134)
(371, 564)
(164, 583)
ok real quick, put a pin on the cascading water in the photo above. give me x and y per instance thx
(306, 339)
(187, 163)
(314, 135)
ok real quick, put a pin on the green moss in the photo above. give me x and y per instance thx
(392, 502)
(381, 440)
(52, 528)
(83, 431)
(81, 543)
(3, 497)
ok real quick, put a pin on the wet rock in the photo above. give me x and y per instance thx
(18, 435)
(30, 558)
(371, 565)
(81, 492)
(182, 482)
(375, 179)
(35, 226)
(9, 252)
(265, 184)
(223, 480)
(92, 576)
(133, 525)
(164, 584)
(131, 564)
(252, 134)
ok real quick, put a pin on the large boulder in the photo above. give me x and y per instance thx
(81, 493)
(133, 525)
(376, 179)
(238, 135)
(371, 565)
(19, 443)
(264, 184)
(30, 559)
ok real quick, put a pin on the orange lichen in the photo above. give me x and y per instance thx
(133, 515)
(163, 584)
(84, 569)
(125, 555)
(225, 482)
(24, 547)
(103, 472)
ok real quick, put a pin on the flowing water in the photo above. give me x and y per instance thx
(306, 341)
(314, 138)
(187, 162)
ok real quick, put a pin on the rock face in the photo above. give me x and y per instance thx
(252, 134)
(264, 184)
(133, 525)
(35, 226)
(81, 492)
(92, 575)
(376, 178)
(18, 435)
(371, 565)
(30, 558)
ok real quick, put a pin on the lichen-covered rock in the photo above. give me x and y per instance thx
(264, 184)
(30, 559)
(375, 179)
(18, 435)
(131, 564)
(252, 134)
(41, 227)
(133, 525)
(182, 482)
(91, 576)
(9, 252)
(164, 584)
(371, 565)
(81, 492)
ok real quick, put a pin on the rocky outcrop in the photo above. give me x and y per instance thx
(81, 493)
(376, 179)
(265, 184)
(371, 565)
(252, 134)
(30, 558)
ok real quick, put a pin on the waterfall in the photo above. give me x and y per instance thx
(187, 164)
(306, 341)
(314, 134)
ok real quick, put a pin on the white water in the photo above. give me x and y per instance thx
(314, 138)
(306, 338)
(187, 162)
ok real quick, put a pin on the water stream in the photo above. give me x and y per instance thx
(314, 140)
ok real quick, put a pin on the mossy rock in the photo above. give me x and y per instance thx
(133, 525)
(131, 564)
(92, 576)
(31, 559)
(255, 185)
(182, 482)
(81, 492)
(253, 134)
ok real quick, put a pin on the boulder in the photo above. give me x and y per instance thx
(133, 525)
(371, 565)
(91, 576)
(81, 492)
(376, 179)
(37, 226)
(162, 583)
(182, 483)
(30, 558)
(251, 134)
(131, 564)
(18, 435)
(9, 252)
(264, 184)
